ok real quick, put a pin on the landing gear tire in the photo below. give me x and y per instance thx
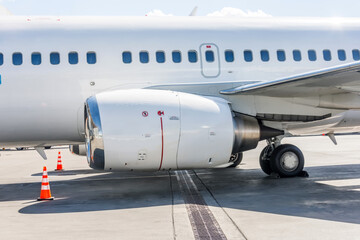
(236, 159)
(264, 160)
(287, 160)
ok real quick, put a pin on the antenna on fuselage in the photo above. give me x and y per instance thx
(193, 12)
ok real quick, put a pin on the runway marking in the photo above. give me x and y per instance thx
(202, 220)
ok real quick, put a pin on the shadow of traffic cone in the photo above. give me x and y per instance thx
(45, 193)
(59, 166)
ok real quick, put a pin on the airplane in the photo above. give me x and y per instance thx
(153, 93)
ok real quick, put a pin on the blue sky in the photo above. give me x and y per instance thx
(313, 8)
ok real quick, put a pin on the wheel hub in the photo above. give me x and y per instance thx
(234, 157)
(289, 161)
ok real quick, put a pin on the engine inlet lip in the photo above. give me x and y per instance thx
(93, 135)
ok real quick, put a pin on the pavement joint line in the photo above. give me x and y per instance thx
(172, 205)
(217, 202)
(202, 220)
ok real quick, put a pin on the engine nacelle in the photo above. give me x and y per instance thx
(78, 149)
(144, 129)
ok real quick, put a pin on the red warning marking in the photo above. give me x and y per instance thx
(208, 46)
(162, 142)
(145, 113)
(160, 113)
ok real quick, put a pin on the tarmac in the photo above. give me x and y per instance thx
(240, 203)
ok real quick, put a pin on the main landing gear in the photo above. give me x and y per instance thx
(235, 159)
(282, 160)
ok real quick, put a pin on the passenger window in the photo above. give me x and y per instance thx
(176, 56)
(248, 56)
(54, 58)
(144, 57)
(17, 59)
(192, 55)
(229, 56)
(160, 56)
(1, 59)
(356, 54)
(341, 55)
(327, 55)
(91, 57)
(281, 55)
(73, 58)
(36, 58)
(264, 55)
(209, 56)
(127, 58)
(297, 55)
(312, 55)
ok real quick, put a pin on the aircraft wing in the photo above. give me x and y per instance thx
(339, 79)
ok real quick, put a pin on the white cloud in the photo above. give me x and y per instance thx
(158, 13)
(236, 12)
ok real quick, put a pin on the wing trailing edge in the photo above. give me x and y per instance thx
(338, 79)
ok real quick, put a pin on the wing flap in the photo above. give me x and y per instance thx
(339, 79)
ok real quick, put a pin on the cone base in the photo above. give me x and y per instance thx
(59, 170)
(45, 199)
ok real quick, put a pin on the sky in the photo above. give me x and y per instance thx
(247, 8)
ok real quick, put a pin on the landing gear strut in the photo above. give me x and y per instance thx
(285, 160)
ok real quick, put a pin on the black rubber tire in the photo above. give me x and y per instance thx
(237, 161)
(19, 148)
(275, 158)
(47, 147)
(265, 164)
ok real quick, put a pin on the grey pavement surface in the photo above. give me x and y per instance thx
(241, 203)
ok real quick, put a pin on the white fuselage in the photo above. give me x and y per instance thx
(44, 104)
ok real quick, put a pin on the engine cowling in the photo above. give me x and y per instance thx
(144, 129)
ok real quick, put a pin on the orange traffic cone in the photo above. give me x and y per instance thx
(59, 166)
(45, 193)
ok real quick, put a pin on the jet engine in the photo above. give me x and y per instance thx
(144, 129)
